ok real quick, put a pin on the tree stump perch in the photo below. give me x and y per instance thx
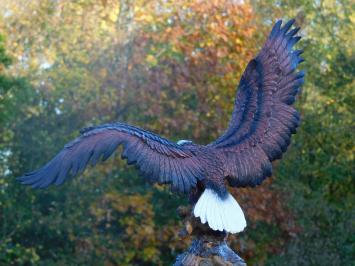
(208, 247)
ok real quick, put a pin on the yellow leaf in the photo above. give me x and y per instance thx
(151, 60)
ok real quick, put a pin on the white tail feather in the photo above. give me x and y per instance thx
(220, 214)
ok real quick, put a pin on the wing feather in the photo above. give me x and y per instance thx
(158, 159)
(163, 166)
(263, 119)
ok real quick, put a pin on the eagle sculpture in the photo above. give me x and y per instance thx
(259, 132)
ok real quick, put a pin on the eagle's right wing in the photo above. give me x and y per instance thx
(263, 118)
(158, 159)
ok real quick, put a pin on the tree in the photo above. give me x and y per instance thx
(171, 67)
(318, 172)
(15, 92)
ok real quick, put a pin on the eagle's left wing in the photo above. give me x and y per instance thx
(158, 159)
(263, 118)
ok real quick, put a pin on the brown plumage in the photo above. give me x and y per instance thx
(259, 132)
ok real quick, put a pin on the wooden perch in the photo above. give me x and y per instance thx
(208, 247)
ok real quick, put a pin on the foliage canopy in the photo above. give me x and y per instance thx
(171, 67)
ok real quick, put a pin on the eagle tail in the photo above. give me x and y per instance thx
(220, 214)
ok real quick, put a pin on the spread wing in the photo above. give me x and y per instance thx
(158, 159)
(263, 118)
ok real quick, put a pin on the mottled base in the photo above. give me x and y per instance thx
(204, 253)
(207, 248)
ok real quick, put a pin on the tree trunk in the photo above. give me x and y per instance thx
(208, 247)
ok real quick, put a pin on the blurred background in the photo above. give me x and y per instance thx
(171, 67)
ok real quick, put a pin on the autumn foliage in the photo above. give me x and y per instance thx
(171, 67)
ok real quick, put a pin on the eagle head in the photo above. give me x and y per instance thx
(184, 142)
